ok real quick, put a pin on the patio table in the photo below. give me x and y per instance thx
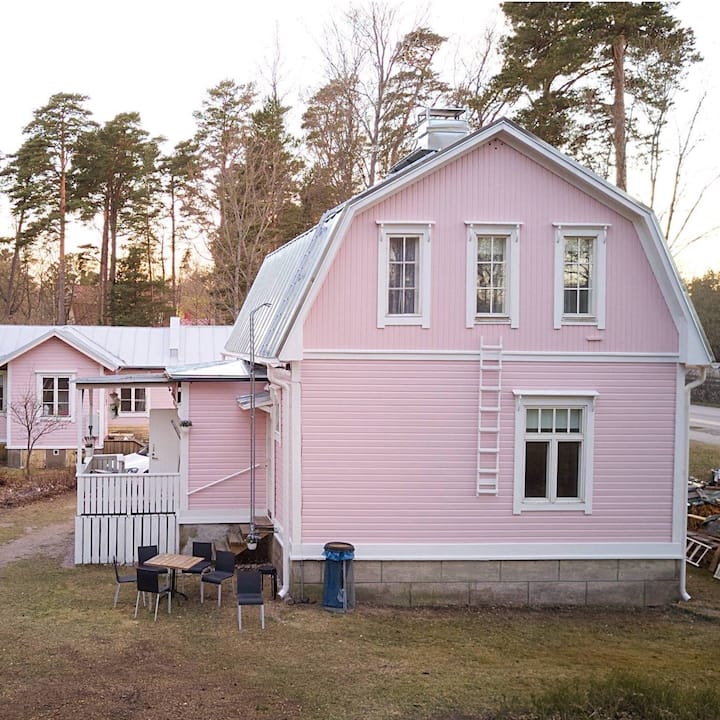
(174, 563)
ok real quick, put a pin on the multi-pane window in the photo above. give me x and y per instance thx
(55, 391)
(491, 274)
(403, 274)
(554, 450)
(578, 275)
(132, 400)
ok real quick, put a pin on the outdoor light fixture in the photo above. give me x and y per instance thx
(252, 538)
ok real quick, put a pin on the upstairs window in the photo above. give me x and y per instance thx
(492, 274)
(133, 400)
(580, 275)
(55, 395)
(404, 274)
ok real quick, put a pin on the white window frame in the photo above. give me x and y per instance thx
(3, 392)
(423, 231)
(70, 376)
(582, 399)
(512, 273)
(133, 402)
(598, 293)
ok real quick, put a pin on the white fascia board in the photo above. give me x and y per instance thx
(504, 551)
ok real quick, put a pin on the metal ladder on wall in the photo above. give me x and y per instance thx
(489, 405)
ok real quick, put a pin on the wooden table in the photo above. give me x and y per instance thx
(174, 563)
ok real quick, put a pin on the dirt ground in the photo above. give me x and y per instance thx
(53, 540)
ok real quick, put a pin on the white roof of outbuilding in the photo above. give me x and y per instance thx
(122, 347)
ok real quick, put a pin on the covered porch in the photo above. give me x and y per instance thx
(201, 475)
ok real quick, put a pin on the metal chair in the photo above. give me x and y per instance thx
(120, 580)
(148, 581)
(145, 552)
(249, 592)
(224, 570)
(203, 550)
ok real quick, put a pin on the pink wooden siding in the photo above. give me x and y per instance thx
(220, 446)
(494, 184)
(51, 357)
(159, 398)
(389, 453)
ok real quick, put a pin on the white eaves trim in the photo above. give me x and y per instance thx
(71, 338)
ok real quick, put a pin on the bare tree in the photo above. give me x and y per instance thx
(27, 412)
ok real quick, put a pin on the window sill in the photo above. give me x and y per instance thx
(492, 320)
(417, 320)
(526, 506)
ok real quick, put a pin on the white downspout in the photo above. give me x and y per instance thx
(688, 389)
(284, 385)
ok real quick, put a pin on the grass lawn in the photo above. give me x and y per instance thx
(65, 653)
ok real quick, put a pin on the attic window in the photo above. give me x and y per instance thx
(403, 274)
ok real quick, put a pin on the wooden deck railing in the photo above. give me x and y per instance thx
(116, 512)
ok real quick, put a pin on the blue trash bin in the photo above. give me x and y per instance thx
(338, 585)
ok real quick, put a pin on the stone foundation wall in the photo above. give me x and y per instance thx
(503, 582)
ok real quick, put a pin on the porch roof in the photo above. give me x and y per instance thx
(125, 380)
(220, 370)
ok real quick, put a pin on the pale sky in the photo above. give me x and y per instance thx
(159, 58)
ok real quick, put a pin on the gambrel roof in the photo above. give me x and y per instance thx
(290, 277)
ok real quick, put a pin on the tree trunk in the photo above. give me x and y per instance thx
(61, 259)
(102, 304)
(618, 111)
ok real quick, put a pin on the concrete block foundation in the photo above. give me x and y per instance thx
(630, 583)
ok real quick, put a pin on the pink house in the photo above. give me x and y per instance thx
(477, 374)
(41, 366)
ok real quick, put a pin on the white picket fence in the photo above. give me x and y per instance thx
(117, 512)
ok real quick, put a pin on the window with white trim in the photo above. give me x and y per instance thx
(2, 392)
(403, 274)
(580, 275)
(553, 452)
(492, 273)
(55, 395)
(133, 400)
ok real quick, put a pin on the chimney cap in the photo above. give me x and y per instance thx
(439, 127)
(450, 113)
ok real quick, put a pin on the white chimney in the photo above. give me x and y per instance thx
(440, 127)
(174, 344)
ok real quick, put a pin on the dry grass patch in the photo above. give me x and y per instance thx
(65, 653)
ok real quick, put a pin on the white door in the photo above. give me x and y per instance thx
(164, 441)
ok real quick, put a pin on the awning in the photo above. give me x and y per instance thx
(129, 380)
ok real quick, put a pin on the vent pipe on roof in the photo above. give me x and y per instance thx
(440, 127)
(174, 343)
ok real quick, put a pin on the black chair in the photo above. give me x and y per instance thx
(271, 572)
(249, 592)
(120, 580)
(224, 570)
(203, 550)
(145, 552)
(148, 581)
